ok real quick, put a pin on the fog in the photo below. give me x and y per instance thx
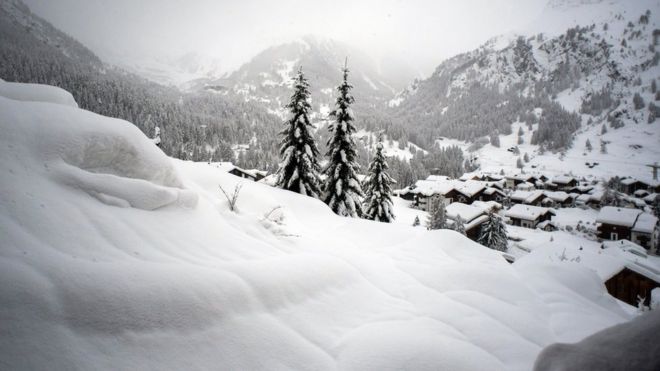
(422, 33)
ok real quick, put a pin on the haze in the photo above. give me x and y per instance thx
(421, 33)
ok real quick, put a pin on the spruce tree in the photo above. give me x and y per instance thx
(459, 225)
(416, 221)
(437, 214)
(493, 233)
(299, 169)
(378, 201)
(342, 189)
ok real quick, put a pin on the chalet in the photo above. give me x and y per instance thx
(528, 216)
(513, 180)
(473, 217)
(254, 175)
(618, 223)
(451, 189)
(493, 194)
(581, 189)
(493, 178)
(557, 199)
(631, 185)
(527, 197)
(641, 193)
(565, 183)
(636, 274)
(466, 177)
(652, 198)
(469, 191)
(525, 186)
(547, 225)
(488, 206)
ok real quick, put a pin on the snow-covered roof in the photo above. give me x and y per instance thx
(525, 186)
(526, 212)
(490, 190)
(546, 223)
(563, 179)
(487, 205)
(651, 197)
(645, 223)
(467, 212)
(526, 196)
(634, 257)
(618, 216)
(469, 187)
(438, 178)
(629, 181)
(469, 176)
(558, 196)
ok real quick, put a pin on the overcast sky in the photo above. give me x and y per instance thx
(422, 32)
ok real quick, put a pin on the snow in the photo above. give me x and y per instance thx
(526, 212)
(114, 256)
(467, 212)
(618, 216)
(526, 196)
(36, 93)
(646, 223)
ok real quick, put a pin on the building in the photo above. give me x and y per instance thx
(527, 197)
(513, 180)
(253, 174)
(473, 217)
(557, 199)
(620, 223)
(493, 194)
(528, 216)
(636, 276)
(565, 183)
(632, 185)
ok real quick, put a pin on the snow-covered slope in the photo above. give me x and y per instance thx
(114, 256)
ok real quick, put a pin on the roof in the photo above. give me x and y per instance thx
(443, 185)
(563, 179)
(525, 185)
(633, 257)
(491, 190)
(526, 196)
(527, 212)
(546, 223)
(469, 187)
(468, 176)
(487, 205)
(558, 196)
(437, 178)
(467, 212)
(618, 216)
(645, 223)
(629, 181)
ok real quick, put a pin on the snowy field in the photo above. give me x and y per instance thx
(114, 256)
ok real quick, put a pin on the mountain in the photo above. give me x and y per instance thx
(266, 78)
(196, 126)
(551, 86)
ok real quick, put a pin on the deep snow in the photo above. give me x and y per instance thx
(114, 256)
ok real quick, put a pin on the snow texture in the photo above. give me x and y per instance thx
(170, 283)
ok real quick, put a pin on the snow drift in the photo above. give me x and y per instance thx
(114, 256)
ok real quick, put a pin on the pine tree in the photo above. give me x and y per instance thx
(459, 225)
(416, 221)
(588, 145)
(299, 169)
(437, 214)
(342, 189)
(378, 201)
(493, 233)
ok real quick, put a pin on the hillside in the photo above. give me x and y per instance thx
(282, 283)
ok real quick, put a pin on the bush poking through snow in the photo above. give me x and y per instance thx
(233, 198)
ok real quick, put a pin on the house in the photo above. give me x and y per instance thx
(558, 199)
(527, 215)
(253, 174)
(547, 225)
(527, 197)
(645, 231)
(620, 223)
(473, 217)
(631, 185)
(493, 194)
(513, 180)
(452, 190)
(466, 177)
(565, 183)
(494, 178)
(525, 186)
(636, 276)
(469, 191)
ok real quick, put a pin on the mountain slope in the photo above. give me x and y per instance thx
(267, 77)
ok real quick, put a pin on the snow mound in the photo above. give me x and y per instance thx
(36, 93)
(629, 346)
(108, 159)
(281, 284)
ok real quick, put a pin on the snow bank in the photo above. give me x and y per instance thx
(36, 93)
(629, 346)
(170, 283)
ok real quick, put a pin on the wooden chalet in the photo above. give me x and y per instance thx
(527, 197)
(528, 216)
(636, 276)
(473, 217)
(565, 183)
(619, 223)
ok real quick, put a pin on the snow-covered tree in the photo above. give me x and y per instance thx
(299, 169)
(493, 233)
(342, 189)
(526, 157)
(459, 225)
(437, 214)
(588, 145)
(156, 138)
(416, 221)
(603, 146)
(519, 163)
(378, 200)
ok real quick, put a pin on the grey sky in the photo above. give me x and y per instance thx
(421, 32)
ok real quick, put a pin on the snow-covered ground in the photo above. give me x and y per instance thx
(114, 256)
